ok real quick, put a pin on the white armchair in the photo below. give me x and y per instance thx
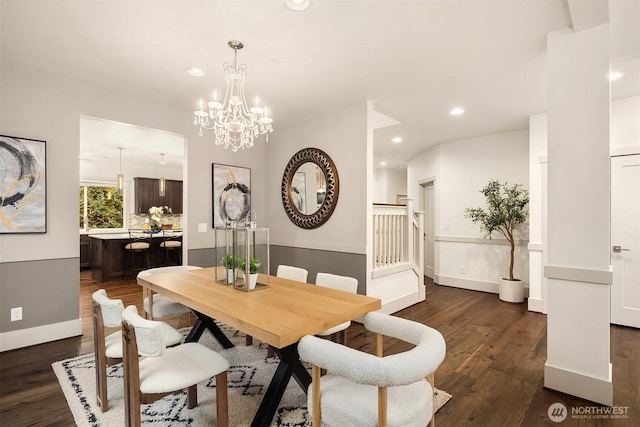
(355, 380)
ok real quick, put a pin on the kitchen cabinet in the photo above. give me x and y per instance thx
(84, 251)
(109, 260)
(146, 195)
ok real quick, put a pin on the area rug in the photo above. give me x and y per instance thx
(248, 378)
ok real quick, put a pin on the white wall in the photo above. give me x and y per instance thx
(342, 134)
(388, 184)
(625, 125)
(461, 168)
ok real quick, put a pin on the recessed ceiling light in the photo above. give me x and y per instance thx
(297, 5)
(383, 163)
(456, 111)
(195, 72)
(396, 140)
(615, 75)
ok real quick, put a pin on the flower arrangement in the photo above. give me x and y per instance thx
(156, 213)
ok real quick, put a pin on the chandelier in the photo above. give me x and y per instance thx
(235, 124)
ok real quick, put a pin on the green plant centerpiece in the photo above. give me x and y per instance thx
(254, 265)
(506, 210)
(227, 261)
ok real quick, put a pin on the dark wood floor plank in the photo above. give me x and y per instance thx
(493, 368)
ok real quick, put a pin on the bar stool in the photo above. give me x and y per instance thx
(138, 247)
(171, 243)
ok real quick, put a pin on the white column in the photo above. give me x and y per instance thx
(578, 271)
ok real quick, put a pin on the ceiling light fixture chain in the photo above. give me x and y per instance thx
(234, 124)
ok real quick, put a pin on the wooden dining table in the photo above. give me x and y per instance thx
(279, 315)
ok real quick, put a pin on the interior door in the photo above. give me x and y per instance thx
(625, 240)
(429, 227)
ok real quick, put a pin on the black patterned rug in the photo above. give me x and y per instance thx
(248, 378)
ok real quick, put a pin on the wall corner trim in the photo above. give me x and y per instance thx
(535, 305)
(599, 390)
(40, 334)
(601, 277)
(535, 247)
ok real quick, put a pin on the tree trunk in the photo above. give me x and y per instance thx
(512, 243)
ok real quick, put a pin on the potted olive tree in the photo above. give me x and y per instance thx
(506, 209)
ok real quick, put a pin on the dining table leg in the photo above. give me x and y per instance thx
(289, 366)
(206, 322)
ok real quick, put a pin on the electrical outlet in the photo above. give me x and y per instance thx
(16, 314)
(463, 270)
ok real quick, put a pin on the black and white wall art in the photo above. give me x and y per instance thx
(23, 185)
(231, 194)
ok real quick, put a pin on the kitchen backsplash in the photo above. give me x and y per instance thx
(138, 221)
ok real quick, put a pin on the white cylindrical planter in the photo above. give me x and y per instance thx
(511, 290)
(253, 279)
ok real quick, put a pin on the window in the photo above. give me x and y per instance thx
(101, 207)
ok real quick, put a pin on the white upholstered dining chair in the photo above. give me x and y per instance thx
(107, 316)
(158, 306)
(341, 283)
(362, 389)
(161, 371)
(292, 273)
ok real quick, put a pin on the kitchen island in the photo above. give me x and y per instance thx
(109, 260)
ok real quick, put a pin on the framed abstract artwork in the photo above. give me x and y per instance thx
(231, 187)
(23, 185)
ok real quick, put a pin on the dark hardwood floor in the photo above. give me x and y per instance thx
(493, 368)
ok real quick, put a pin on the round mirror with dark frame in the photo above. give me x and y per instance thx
(310, 188)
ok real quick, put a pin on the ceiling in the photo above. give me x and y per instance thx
(414, 59)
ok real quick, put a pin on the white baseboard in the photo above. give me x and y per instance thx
(40, 334)
(473, 285)
(535, 304)
(388, 271)
(580, 385)
(476, 285)
(390, 307)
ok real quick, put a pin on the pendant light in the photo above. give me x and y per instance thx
(162, 184)
(120, 176)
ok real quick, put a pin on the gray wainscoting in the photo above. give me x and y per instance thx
(313, 260)
(204, 258)
(47, 290)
